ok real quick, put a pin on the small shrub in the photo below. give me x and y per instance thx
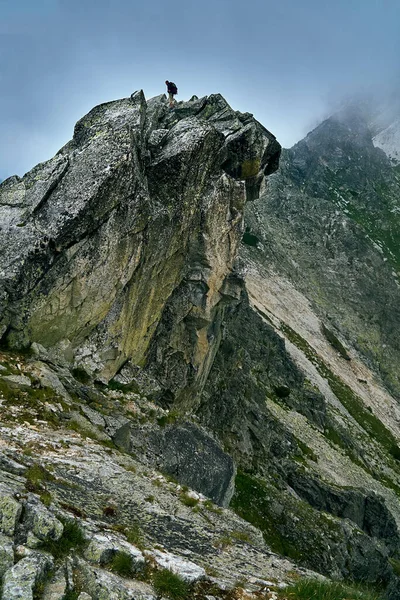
(171, 417)
(241, 536)
(170, 585)
(229, 538)
(122, 564)
(45, 497)
(223, 541)
(72, 538)
(212, 507)
(36, 478)
(134, 535)
(188, 500)
(71, 595)
(250, 239)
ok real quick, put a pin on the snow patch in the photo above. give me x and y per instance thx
(389, 141)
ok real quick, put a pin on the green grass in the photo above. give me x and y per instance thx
(36, 480)
(31, 402)
(209, 505)
(122, 564)
(289, 525)
(72, 538)
(310, 589)
(168, 419)
(188, 500)
(395, 563)
(45, 497)
(134, 535)
(170, 585)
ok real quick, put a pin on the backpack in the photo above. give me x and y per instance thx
(172, 88)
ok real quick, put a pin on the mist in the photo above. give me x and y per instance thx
(291, 64)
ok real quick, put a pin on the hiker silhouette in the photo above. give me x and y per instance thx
(172, 91)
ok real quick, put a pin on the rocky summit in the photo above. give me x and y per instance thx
(121, 247)
(199, 363)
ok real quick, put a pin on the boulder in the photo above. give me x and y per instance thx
(43, 525)
(19, 582)
(6, 553)
(10, 512)
(103, 547)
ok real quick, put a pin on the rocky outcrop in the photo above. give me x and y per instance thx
(85, 518)
(189, 454)
(122, 246)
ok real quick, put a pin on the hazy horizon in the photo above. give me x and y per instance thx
(290, 64)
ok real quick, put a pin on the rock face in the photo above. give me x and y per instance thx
(122, 246)
(190, 455)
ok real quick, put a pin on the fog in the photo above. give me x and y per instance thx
(289, 63)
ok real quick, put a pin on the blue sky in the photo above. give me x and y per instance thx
(289, 61)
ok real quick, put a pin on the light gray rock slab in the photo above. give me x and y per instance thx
(103, 547)
(6, 553)
(20, 581)
(32, 541)
(85, 426)
(102, 585)
(18, 380)
(42, 523)
(10, 512)
(48, 378)
(12, 466)
(94, 416)
(57, 587)
(186, 569)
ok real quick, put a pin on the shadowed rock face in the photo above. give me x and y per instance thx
(122, 246)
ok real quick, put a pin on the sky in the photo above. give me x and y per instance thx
(289, 62)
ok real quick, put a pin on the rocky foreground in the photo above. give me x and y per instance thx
(85, 508)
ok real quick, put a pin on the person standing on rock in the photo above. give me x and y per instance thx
(172, 90)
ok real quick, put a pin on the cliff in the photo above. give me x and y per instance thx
(122, 246)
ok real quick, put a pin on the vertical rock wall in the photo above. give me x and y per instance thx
(121, 247)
